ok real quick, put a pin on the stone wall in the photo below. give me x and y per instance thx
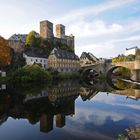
(60, 31)
(17, 46)
(130, 65)
(70, 40)
(46, 29)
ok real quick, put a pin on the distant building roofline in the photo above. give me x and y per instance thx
(135, 47)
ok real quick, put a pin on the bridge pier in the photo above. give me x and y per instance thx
(135, 75)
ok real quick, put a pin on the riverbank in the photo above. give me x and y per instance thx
(35, 73)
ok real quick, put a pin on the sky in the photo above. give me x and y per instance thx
(103, 27)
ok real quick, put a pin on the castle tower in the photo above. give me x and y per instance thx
(46, 29)
(60, 31)
(46, 123)
(60, 120)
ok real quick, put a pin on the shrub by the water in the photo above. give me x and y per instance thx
(31, 73)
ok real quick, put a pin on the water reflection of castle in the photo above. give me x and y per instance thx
(52, 103)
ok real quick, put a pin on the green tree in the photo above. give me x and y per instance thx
(31, 73)
(119, 58)
(130, 57)
(33, 39)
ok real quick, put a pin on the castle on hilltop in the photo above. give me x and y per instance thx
(46, 32)
(17, 41)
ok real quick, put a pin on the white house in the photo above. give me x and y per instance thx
(132, 51)
(36, 57)
(2, 87)
(2, 73)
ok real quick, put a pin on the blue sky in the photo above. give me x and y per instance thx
(102, 27)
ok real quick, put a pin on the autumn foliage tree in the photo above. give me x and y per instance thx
(33, 39)
(5, 53)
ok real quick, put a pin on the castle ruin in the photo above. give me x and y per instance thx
(46, 29)
(46, 32)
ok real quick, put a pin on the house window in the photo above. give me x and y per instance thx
(40, 60)
(44, 60)
(31, 60)
(36, 60)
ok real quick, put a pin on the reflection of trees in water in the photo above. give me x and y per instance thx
(43, 103)
(122, 72)
(122, 84)
(40, 103)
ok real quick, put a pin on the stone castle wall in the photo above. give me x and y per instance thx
(17, 46)
(46, 31)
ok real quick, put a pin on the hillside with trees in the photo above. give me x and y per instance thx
(121, 58)
(34, 40)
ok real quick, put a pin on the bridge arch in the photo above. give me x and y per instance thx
(110, 71)
(90, 73)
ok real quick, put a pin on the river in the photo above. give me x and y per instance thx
(71, 110)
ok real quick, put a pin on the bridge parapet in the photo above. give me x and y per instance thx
(130, 64)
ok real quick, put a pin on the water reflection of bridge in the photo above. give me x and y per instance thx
(88, 91)
(130, 93)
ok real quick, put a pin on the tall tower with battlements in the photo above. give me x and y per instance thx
(46, 29)
(60, 31)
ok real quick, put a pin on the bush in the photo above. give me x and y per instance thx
(31, 73)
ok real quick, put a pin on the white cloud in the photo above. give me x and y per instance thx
(93, 34)
(131, 38)
(95, 116)
(82, 29)
(92, 10)
(98, 49)
(100, 36)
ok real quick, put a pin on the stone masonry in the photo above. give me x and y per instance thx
(46, 31)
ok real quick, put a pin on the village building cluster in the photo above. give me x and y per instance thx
(59, 59)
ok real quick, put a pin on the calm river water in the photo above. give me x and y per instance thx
(70, 110)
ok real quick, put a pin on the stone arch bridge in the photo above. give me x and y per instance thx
(108, 68)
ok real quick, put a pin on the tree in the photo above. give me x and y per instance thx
(119, 58)
(33, 39)
(5, 53)
(130, 57)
